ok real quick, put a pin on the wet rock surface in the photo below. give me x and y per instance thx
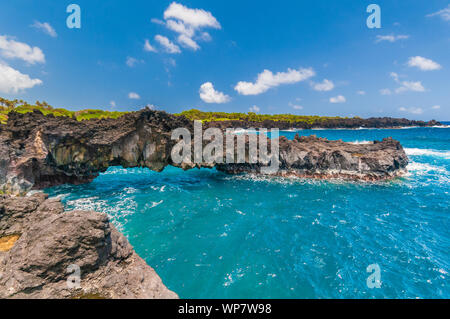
(49, 241)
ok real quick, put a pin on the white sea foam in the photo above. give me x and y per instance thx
(423, 168)
(154, 204)
(427, 152)
(361, 142)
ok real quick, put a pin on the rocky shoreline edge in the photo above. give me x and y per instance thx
(42, 247)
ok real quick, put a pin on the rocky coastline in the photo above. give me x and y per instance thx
(41, 247)
(39, 241)
(338, 123)
(38, 151)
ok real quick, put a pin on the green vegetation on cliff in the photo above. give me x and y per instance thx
(21, 106)
(222, 116)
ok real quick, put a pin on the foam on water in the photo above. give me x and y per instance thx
(427, 152)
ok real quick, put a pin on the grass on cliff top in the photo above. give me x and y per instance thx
(20, 106)
(222, 116)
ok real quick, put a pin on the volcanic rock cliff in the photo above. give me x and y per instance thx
(38, 151)
(42, 247)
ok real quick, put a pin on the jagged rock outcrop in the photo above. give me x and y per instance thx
(38, 151)
(43, 242)
(312, 157)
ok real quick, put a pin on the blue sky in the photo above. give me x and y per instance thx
(320, 57)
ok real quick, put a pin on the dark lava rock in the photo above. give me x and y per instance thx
(38, 151)
(47, 241)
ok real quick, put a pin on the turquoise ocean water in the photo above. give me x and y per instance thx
(210, 235)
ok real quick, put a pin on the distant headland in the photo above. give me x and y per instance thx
(222, 119)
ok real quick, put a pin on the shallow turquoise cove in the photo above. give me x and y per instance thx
(210, 235)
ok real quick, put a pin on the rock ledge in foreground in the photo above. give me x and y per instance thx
(43, 241)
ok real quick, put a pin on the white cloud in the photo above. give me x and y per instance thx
(12, 49)
(148, 47)
(326, 85)
(205, 36)
(391, 38)
(180, 27)
(209, 95)
(267, 80)
(131, 62)
(410, 86)
(168, 45)
(405, 85)
(295, 106)
(412, 110)
(361, 92)
(12, 81)
(394, 76)
(46, 28)
(338, 99)
(436, 107)
(195, 18)
(444, 14)
(188, 42)
(254, 109)
(113, 104)
(385, 92)
(158, 21)
(187, 23)
(133, 96)
(423, 64)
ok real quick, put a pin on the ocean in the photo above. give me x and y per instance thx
(212, 235)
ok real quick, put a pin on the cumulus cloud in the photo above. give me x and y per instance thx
(12, 81)
(391, 38)
(209, 95)
(168, 45)
(338, 99)
(361, 92)
(423, 64)
(46, 28)
(188, 42)
(180, 27)
(410, 86)
(195, 18)
(133, 96)
(188, 23)
(12, 49)
(444, 14)
(148, 47)
(415, 86)
(436, 107)
(326, 85)
(267, 80)
(113, 104)
(412, 110)
(254, 109)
